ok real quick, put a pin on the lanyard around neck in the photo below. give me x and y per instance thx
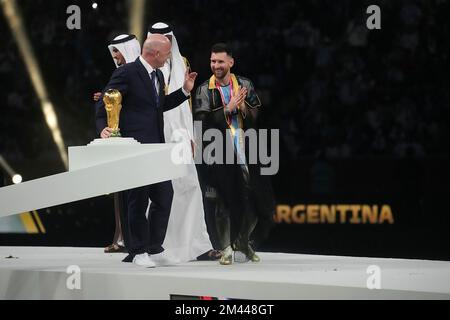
(222, 96)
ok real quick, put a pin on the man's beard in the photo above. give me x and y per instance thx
(221, 74)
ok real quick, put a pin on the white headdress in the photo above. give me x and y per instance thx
(177, 67)
(174, 71)
(128, 46)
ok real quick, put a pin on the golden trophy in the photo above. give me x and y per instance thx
(113, 103)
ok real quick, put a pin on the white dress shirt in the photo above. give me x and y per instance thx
(150, 69)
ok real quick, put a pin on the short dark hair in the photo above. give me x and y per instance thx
(222, 47)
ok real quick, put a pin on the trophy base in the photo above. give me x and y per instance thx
(115, 133)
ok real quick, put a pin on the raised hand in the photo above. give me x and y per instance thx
(189, 80)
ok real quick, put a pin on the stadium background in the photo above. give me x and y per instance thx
(363, 114)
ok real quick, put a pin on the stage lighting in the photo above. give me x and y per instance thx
(14, 19)
(17, 178)
(136, 18)
(94, 5)
(4, 165)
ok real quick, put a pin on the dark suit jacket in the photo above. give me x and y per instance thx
(140, 118)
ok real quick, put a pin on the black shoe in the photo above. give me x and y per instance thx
(128, 258)
(211, 255)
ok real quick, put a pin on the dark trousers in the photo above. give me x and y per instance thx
(147, 234)
(245, 213)
(230, 211)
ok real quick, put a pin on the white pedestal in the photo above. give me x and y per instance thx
(106, 150)
(103, 166)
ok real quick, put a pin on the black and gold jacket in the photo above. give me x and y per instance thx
(228, 180)
(208, 106)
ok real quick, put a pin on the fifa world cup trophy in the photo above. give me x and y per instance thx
(113, 104)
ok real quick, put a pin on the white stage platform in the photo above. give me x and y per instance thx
(41, 273)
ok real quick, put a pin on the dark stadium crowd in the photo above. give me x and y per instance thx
(331, 85)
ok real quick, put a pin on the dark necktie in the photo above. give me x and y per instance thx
(153, 78)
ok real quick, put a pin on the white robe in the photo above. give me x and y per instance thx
(186, 236)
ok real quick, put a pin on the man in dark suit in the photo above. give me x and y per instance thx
(143, 103)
